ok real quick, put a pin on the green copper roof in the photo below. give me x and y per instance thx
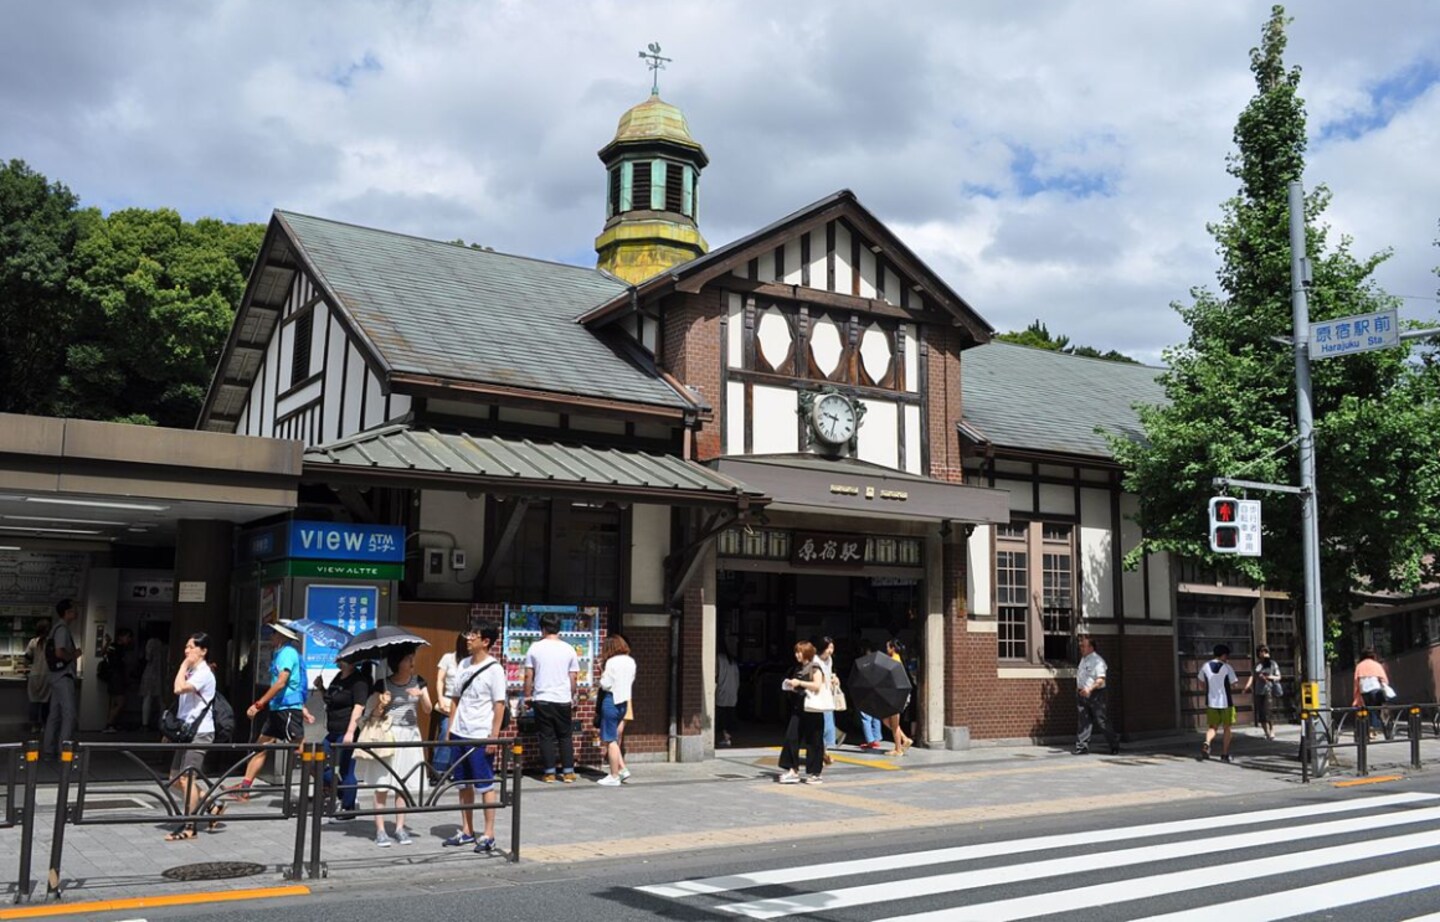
(1037, 400)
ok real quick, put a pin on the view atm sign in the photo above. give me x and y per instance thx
(343, 541)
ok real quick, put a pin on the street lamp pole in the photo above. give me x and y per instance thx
(1304, 412)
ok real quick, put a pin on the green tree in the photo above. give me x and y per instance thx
(156, 296)
(1037, 336)
(38, 230)
(1231, 386)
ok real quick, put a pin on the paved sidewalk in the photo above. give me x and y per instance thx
(728, 801)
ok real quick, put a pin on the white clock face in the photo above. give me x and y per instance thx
(834, 419)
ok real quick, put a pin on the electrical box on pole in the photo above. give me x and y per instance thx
(1235, 526)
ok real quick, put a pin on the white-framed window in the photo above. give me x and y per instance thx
(1035, 590)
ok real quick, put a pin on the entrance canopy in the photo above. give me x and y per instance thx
(806, 483)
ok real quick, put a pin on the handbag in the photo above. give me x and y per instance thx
(1389, 692)
(376, 730)
(176, 730)
(840, 703)
(820, 701)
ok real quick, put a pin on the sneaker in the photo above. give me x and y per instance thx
(336, 820)
(1080, 751)
(624, 774)
(789, 778)
(609, 781)
(548, 779)
(812, 779)
(402, 835)
(569, 778)
(484, 845)
(383, 841)
(458, 839)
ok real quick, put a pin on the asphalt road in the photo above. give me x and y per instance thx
(1371, 851)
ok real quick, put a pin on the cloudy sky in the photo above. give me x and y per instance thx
(1052, 159)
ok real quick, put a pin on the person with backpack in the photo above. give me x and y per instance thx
(1220, 680)
(477, 713)
(195, 708)
(61, 652)
(37, 680)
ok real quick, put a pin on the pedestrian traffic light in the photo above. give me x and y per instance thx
(1224, 525)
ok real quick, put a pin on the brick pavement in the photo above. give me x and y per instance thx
(728, 801)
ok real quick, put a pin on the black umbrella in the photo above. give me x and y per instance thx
(878, 685)
(377, 642)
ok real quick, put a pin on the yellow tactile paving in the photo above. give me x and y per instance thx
(856, 825)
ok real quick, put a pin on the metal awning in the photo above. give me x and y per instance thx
(841, 486)
(400, 456)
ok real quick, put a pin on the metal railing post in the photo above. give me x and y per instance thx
(1306, 728)
(27, 821)
(62, 811)
(517, 770)
(1362, 742)
(1414, 728)
(318, 800)
(302, 819)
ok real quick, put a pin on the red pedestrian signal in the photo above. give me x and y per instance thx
(1224, 525)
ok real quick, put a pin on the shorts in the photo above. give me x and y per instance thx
(1219, 717)
(286, 726)
(192, 759)
(611, 714)
(472, 766)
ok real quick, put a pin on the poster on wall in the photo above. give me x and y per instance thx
(333, 615)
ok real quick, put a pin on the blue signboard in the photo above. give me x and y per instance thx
(344, 541)
(333, 615)
(1360, 333)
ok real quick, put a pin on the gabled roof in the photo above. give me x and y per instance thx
(1036, 400)
(438, 310)
(692, 275)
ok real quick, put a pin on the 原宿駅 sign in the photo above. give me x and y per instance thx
(817, 549)
(1348, 335)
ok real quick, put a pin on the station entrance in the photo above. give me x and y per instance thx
(762, 614)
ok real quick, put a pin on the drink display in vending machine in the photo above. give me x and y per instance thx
(579, 627)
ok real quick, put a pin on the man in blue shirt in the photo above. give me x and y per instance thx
(283, 703)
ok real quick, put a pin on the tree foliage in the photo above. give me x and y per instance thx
(1038, 336)
(1231, 387)
(116, 317)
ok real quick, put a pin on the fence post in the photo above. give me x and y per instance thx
(302, 819)
(517, 769)
(27, 821)
(1305, 744)
(318, 800)
(62, 810)
(1362, 742)
(1414, 720)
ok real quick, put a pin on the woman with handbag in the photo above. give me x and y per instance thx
(1370, 682)
(616, 682)
(809, 695)
(345, 699)
(824, 658)
(400, 701)
(194, 689)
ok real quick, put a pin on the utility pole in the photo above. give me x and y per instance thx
(1304, 413)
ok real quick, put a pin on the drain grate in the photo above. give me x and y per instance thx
(213, 870)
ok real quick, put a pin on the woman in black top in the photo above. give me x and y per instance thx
(344, 702)
(805, 728)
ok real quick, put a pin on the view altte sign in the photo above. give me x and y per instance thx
(822, 549)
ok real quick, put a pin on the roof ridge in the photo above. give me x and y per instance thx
(485, 251)
(1070, 355)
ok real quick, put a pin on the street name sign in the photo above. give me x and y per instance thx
(1348, 335)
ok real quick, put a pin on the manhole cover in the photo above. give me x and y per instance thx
(214, 870)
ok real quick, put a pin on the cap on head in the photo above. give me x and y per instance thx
(284, 630)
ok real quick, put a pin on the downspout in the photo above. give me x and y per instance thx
(672, 743)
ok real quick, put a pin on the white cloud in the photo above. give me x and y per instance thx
(481, 120)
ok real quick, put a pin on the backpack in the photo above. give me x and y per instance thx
(224, 716)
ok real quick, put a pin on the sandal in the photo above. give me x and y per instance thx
(217, 811)
(182, 834)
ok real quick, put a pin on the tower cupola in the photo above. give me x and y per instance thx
(651, 204)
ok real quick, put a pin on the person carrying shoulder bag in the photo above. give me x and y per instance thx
(806, 725)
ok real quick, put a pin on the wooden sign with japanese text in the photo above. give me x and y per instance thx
(823, 549)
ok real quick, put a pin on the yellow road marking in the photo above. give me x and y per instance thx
(151, 902)
(1376, 780)
(774, 761)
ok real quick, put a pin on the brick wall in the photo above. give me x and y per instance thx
(649, 732)
(690, 350)
(944, 401)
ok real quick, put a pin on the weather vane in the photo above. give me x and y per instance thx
(656, 64)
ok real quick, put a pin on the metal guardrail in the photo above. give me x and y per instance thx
(1333, 724)
(303, 798)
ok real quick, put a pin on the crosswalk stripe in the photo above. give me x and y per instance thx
(908, 860)
(1141, 888)
(1076, 864)
(1335, 893)
(1432, 917)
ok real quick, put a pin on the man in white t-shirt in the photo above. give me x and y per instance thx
(552, 672)
(1219, 679)
(1091, 698)
(477, 713)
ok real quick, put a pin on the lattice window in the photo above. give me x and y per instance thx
(1031, 555)
(1012, 581)
(674, 188)
(640, 186)
(1057, 574)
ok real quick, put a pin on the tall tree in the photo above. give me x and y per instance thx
(156, 296)
(1038, 336)
(38, 230)
(1231, 387)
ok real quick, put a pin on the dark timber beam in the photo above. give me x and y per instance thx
(687, 559)
(503, 543)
